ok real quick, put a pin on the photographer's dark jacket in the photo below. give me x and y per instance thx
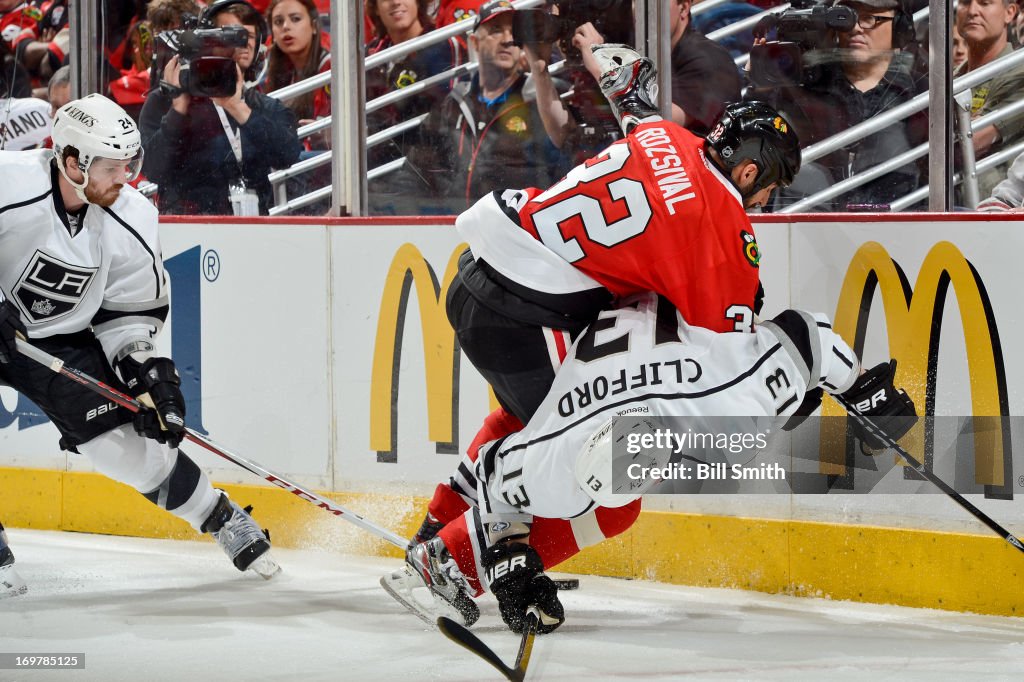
(472, 146)
(832, 105)
(190, 157)
(704, 79)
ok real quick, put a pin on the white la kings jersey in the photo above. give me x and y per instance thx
(642, 357)
(108, 276)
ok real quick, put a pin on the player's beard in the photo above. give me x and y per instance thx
(104, 199)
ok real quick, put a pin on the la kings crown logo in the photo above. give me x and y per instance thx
(50, 288)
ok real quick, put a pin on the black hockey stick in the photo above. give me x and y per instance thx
(464, 638)
(920, 468)
(126, 401)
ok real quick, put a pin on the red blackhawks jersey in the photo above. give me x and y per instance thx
(650, 213)
(19, 24)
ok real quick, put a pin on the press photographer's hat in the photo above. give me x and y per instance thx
(874, 4)
(491, 9)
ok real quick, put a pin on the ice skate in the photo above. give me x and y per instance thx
(11, 584)
(431, 585)
(242, 540)
(629, 82)
(428, 529)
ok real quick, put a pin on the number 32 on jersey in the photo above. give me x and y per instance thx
(588, 209)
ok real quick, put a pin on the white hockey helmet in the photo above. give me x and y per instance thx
(98, 128)
(594, 465)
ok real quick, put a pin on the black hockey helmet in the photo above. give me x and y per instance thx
(756, 131)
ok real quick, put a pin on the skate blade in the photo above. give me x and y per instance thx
(265, 566)
(11, 584)
(409, 590)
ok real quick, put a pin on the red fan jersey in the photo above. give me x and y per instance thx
(19, 24)
(650, 213)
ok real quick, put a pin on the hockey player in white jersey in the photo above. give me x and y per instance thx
(82, 277)
(639, 359)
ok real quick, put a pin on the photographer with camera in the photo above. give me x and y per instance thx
(210, 137)
(486, 134)
(581, 124)
(704, 77)
(832, 68)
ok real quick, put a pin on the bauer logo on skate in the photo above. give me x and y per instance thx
(913, 323)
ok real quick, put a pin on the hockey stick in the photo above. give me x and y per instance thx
(938, 482)
(464, 638)
(57, 365)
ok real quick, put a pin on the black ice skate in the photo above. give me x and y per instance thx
(246, 545)
(11, 584)
(428, 529)
(431, 585)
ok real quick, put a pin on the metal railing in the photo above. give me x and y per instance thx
(898, 113)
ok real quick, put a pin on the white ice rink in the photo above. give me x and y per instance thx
(152, 610)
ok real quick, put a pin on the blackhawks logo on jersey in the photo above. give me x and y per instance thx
(750, 250)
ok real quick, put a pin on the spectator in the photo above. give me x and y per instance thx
(18, 27)
(1008, 195)
(959, 53)
(58, 90)
(130, 89)
(298, 54)
(984, 25)
(25, 121)
(166, 15)
(485, 134)
(580, 124)
(395, 21)
(704, 76)
(454, 11)
(871, 75)
(205, 153)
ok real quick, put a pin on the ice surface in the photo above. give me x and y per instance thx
(168, 610)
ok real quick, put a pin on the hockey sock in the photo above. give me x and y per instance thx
(557, 540)
(497, 424)
(186, 492)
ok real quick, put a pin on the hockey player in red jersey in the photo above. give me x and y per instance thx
(557, 469)
(661, 210)
(82, 277)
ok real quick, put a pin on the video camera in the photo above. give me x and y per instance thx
(808, 26)
(203, 73)
(613, 19)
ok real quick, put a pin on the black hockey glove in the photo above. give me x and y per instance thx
(886, 407)
(515, 575)
(165, 422)
(10, 325)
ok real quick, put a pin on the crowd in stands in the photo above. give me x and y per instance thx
(520, 111)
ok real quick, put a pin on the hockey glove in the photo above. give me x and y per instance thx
(10, 326)
(160, 387)
(886, 407)
(515, 575)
